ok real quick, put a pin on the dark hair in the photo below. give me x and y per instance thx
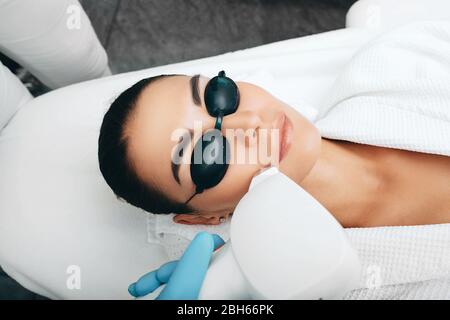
(114, 161)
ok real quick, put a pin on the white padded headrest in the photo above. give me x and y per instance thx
(56, 212)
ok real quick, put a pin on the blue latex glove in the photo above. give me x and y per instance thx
(184, 277)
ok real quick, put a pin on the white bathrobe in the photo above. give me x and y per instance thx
(395, 92)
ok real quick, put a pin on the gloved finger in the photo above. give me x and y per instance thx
(152, 280)
(165, 271)
(186, 280)
(218, 241)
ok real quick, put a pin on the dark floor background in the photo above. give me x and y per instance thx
(141, 34)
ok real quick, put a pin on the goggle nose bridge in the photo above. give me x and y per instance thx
(219, 121)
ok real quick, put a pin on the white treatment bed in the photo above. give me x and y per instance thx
(58, 218)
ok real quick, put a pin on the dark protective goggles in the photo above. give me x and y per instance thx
(210, 159)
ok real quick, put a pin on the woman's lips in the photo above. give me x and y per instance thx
(285, 137)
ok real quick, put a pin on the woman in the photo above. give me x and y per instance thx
(401, 78)
(360, 185)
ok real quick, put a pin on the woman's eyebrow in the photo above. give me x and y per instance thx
(195, 90)
(175, 165)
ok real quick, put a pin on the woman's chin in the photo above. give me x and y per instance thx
(303, 151)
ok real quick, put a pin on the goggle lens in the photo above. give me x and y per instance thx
(210, 159)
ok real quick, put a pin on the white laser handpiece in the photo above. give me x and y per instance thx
(283, 245)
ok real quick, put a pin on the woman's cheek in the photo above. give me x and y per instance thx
(238, 180)
(244, 165)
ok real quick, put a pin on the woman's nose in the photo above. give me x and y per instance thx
(242, 120)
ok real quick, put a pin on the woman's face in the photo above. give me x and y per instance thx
(167, 107)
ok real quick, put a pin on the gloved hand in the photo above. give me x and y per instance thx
(184, 277)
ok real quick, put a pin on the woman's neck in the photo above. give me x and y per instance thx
(345, 180)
